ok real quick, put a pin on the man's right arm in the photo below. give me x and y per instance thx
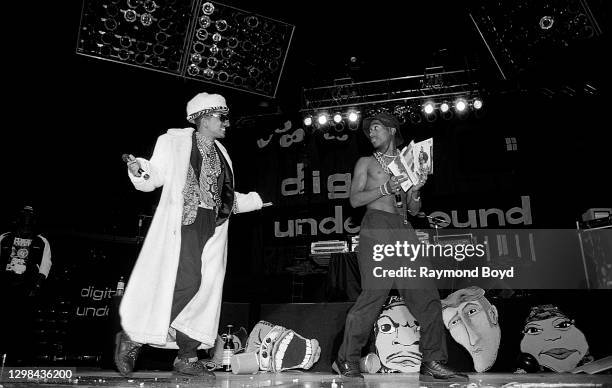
(359, 195)
(155, 168)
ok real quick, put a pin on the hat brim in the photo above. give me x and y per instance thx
(218, 109)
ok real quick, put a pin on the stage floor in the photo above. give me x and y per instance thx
(157, 379)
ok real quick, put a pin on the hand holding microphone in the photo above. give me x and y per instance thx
(134, 165)
(394, 185)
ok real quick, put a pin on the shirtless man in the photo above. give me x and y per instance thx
(386, 223)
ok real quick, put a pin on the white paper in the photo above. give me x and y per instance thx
(413, 161)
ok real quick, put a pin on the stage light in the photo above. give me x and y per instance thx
(353, 116)
(430, 112)
(546, 22)
(322, 119)
(477, 103)
(308, 121)
(339, 127)
(428, 108)
(460, 105)
(136, 32)
(337, 118)
(444, 107)
(157, 37)
(415, 116)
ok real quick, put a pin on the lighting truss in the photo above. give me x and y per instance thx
(200, 40)
(400, 95)
(520, 33)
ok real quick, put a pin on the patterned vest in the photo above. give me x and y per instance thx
(193, 191)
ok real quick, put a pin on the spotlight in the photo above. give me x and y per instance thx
(322, 119)
(352, 116)
(444, 107)
(339, 127)
(430, 113)
(428, 108)
(460, 105)
(415, 116)
(477, 104)
(337, 118)
(308, 121)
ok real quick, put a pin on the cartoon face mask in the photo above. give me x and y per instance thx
(553, 340)
(476, 329)
(473, 322)
(279, 348)
(397, 338)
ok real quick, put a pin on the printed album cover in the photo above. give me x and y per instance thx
(414, 161)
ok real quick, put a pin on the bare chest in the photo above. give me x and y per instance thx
(376, 175)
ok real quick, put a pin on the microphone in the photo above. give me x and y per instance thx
(398, 200)
(126, 159)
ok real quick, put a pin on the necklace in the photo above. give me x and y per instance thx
(379, 156)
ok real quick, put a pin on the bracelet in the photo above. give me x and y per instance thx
(383, 190)
(416, 199)
(380, 188)
(387, 192)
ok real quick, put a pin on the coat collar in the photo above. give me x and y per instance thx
(187, 132)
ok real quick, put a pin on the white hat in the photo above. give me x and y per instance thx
(205, 103)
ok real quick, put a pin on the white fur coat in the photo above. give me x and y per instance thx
(146, 305)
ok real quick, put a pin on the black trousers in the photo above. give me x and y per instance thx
(189, 273)
(18, 341)
(421, 296)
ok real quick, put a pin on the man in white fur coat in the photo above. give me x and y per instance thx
(173, 297)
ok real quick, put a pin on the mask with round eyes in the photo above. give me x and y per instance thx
(387, 326)
(267, 346)
(397, 336)
(279, 348)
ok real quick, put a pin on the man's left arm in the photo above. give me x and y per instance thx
(43, 268)
(414, 201)
(414, 196)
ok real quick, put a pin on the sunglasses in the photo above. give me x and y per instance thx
(221, 116)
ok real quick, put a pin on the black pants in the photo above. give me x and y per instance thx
(18, 341)
(189, 274)
(421, 296)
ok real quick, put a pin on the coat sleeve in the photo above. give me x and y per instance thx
(45, 263)
(247, 202)
(155, 168)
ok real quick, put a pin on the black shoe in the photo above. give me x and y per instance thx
(438, 371)
(183, 366)
(126, 352)
(347, 368)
